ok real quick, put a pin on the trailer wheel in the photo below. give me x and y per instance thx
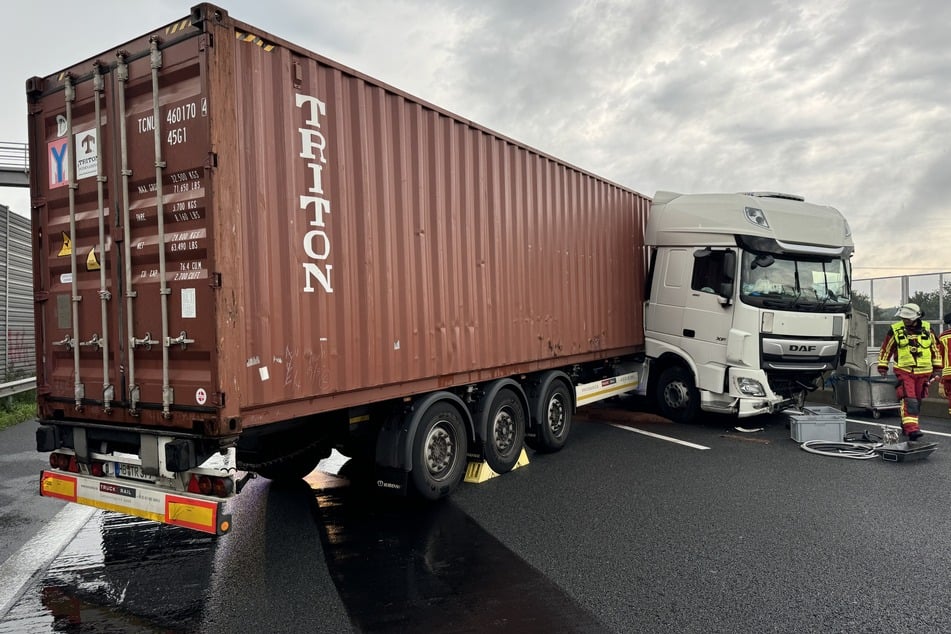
(554, 420)
(439, 451)
(677, 396)
(506, 431)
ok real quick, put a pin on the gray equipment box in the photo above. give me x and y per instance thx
(817, 422)
(864, 388)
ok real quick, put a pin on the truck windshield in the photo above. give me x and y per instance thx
(790, 284)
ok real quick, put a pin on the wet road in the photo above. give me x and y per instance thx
(22, 510)
(620, 532)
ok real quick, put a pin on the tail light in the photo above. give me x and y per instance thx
(61, 461)
(222, 486)
(67, 462)
(209, 485)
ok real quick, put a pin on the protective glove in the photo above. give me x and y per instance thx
(941, 389)
(882, 370)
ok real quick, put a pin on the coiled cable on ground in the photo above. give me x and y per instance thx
(844, 449)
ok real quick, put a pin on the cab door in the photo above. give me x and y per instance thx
(708, 314)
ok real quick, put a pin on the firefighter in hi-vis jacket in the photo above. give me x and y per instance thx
(944, 349)
(913, 347)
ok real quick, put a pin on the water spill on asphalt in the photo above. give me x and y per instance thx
(397, 566)
(403, 567)
(120, 574)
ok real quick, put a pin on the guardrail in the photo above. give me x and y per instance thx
(15, 387)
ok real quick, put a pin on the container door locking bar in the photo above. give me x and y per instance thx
(108, 392)
(122, 74)
(79, 391)
(155, 58)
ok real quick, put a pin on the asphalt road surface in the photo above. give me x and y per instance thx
(639, 525)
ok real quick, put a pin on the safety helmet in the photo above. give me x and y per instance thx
(909, 311)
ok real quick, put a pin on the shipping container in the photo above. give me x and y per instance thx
(243, 244)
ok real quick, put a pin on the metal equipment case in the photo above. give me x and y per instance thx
(866, 390)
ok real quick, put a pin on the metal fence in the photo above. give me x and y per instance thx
(14, 165)
(880, 297)
(14, 156)
(17, 347)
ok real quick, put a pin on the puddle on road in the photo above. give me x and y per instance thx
(397, 566)
(401, 566)
(96, 584)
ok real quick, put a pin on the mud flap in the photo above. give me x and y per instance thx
(392, 480)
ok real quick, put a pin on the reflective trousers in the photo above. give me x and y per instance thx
(912, 388)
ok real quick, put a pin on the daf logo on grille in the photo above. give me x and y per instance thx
(798, 348)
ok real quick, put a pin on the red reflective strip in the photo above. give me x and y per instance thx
(198, 515)
(58, 485)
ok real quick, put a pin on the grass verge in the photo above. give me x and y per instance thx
(17, 409)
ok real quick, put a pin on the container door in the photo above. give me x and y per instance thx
(124, 290)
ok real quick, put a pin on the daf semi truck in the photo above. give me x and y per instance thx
(247, 255)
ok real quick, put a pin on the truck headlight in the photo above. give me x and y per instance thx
(749, 387)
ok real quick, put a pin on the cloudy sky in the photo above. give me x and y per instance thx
(846, 102)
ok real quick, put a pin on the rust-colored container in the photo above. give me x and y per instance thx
(231, 230)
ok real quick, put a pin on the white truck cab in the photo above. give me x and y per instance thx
(747, 301)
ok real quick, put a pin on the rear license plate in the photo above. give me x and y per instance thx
(131, 471)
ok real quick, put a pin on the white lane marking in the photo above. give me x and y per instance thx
(898, 427)
(37, 554)
(658, 436)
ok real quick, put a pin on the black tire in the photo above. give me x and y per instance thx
(677, 396)
(505, 431)
(553, 419)
(439, 452)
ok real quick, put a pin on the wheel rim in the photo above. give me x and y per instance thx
(503, 431)
(676, 395)
(556, 415)
(440, 450)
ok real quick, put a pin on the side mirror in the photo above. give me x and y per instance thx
(729, 274)
(725, 296)
(729, 265)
